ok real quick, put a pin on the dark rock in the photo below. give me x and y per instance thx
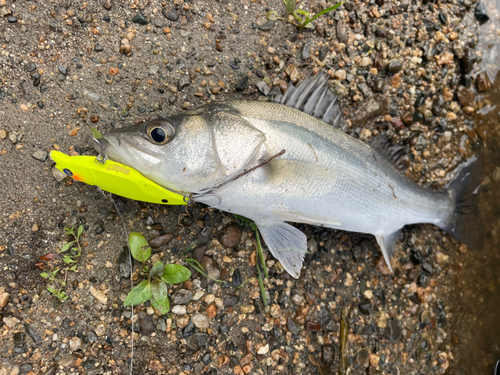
(98, 48)
(197, 341)
(33, 334)
(183, 82)
(140, 19)
(147, 326)
(394, 66)
(107, 4)
(268, 26)
(203, 237)
(375, 105)
(18, 338)
(123, 263)
(30, 67)
(211, 267)
(427, 268)
(292, 327)
(393, 330)
(480, 12)
(189, 329)
(415, 257)
(206, 359)
(231, 236)
(171, 14)
(364, 307)
(63, 69)
(182, 297)
(236, 282)
(483, 82)
(312, 326)
(328, 354)
(305, 52)
(323, 51)
(91, 336)
(242, 83)
(363, 87)
(234, 65)
(465, 96)
(361, 358)
(423, 280)
(467, 62)
(229, 301)
(159, 241)
(12, 19)
(443, 18)
(25, 368)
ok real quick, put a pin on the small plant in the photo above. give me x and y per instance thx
(306, 22)
(57, 285)
(154, 288)
(253, 226)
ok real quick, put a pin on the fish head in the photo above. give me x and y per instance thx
(175, 152)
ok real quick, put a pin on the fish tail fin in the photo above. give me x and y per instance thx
(466, 224)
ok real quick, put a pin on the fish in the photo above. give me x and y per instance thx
(286, 161)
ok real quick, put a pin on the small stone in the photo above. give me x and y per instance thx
(40, 155)
(483, 82)
(140, 19)
(63, 69)
(12, 19)
(93, 97)
(3, 134)
(107, 4)
(375, 105)
(171, 14)
(91, 336)
(203, 237)
(211, 267)
(4, 299)
(11, 321)
(179, 310)
(125, 46)
(268, 26)
(159, 241)
(364, 307)
(147, 325)
(242, 83)
(75, 343)
(393, 330)
(231, 236)
(33, 334)
(99, 295)
(30, 67)
(394, 66)
(263, 88)
(34, 228)
(263, 350)
(465, 96)
(480, 12)
(341, 32)
(374, 360)
(100, 329)
(211, 311)
(183, 82)
(66, 361)
(201, 321)
(381, 319)
(182, 297)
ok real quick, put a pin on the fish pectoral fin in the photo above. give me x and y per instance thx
(286, 243)
(386, 243)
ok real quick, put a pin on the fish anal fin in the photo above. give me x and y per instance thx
(386, 243)
(286, 243)
(394, 154)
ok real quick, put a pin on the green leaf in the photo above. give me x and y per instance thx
(80, 231)
(160, 296)
(198, 267)
(261, 286)
(290, 6)
(45, 275)
(67, 259)
(157, 270)
(74, 267)
(66, 246)
(140, 294)
(139, 247)
(175, 274)
(69, 231)
(303, 12)
(95, 133)
(327, 10)
(272, 15)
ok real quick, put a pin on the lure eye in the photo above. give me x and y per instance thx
(160, 132)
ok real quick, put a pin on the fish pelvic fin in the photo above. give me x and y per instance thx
(286, 243)
(466, 224)
(387, 243)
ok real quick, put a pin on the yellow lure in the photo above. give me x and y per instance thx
(115, 178)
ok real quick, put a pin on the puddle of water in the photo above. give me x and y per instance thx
(476, 309)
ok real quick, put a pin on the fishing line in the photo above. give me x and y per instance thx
(131, 280)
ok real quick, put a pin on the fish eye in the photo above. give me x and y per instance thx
(160, 132)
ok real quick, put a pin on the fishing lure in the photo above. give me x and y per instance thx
(115, 178)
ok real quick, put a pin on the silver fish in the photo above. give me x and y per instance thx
(324, 177)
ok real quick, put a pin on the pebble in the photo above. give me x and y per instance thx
(100, 329)
(91, 336)
(66, 361)
(183, 82)
(3, 134)
(11, 321)
(197, 341)
(268, 26)
(125, 46)
(231, 236)
(98, 48)
(12, 19)
(381, 319)
(107, 4)
(140, 19)
(201, 321)
(40, 155)
(147, 325)
(75, 343)
(341, 32)
(92, 96)
(375, 105)
(393, 330)
(171, 14)
(211, 267)
(242, 83)
(179, 310)
(182, 297)
(33, 334)
(123, 263)
(203, 237)
(99, 295)
(263, 88)
(465, 96)
(4, 299)
(159, 241)
(480, 12)
(394, 66)
(63, 69)
(483, 82)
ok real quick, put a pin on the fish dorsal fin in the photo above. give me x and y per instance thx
(286, 243)
(386, 243)
(314, 97)
(394, 154)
